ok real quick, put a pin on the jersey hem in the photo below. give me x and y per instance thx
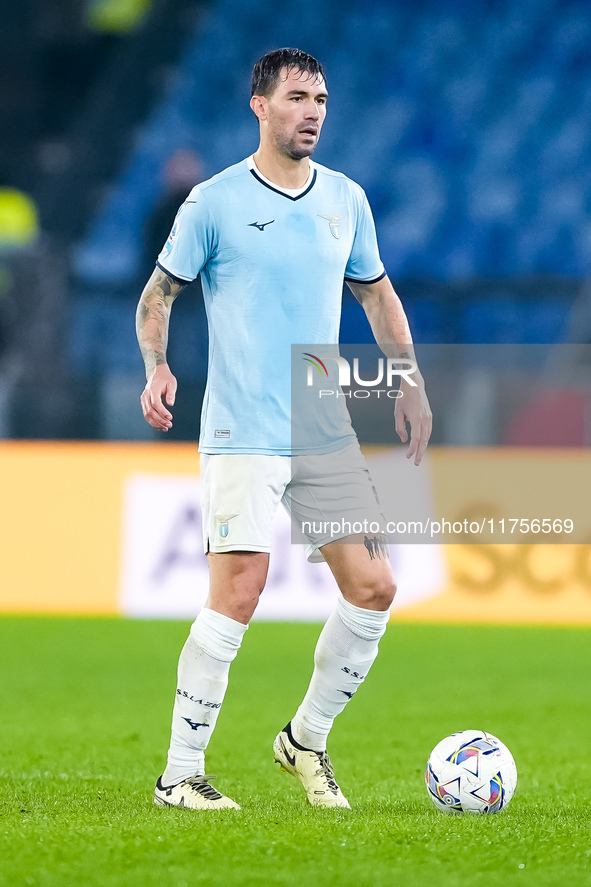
(267, 451)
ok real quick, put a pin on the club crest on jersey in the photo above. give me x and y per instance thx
(333, 224)
(223, 520)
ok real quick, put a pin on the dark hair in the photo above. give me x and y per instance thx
(265, 73)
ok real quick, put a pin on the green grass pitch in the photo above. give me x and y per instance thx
(85, 708)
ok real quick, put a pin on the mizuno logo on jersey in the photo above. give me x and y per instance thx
(333, 224)
(260, 225)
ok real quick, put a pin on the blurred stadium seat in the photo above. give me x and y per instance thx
(468, 125)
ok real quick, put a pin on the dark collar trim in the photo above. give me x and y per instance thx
(279, 191)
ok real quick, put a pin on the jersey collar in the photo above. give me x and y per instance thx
(284, 193)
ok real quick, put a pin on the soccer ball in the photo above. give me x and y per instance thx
(471, 772)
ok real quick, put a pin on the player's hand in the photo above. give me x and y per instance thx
(160, 388)
(413, 407)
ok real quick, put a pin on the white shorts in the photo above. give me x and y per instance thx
(328, 497)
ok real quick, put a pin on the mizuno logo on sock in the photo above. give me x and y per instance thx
(193, 724)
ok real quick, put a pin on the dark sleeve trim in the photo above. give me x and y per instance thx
(178, 279)
(374, 280)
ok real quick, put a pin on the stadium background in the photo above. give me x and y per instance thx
(468, 126)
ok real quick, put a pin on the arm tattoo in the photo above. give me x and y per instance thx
(152, 316)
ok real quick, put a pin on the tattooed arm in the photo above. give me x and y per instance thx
(152, 316)
(392, 333)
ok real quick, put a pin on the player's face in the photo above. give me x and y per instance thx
(295, 113)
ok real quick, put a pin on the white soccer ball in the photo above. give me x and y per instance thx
(471, 772)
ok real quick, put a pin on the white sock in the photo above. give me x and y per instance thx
(346, 650)
(204, 664)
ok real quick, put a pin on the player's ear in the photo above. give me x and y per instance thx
(258, 103)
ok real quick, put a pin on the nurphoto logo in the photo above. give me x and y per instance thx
(387, 372)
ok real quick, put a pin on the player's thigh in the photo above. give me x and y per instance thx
(331, 497)
(364, 575)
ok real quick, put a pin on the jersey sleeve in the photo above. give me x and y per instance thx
(191, 240)
(365, 265)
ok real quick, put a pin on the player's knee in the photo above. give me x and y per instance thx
(244, 590)
(377, 595)
(383, 594)
(246, 595)
(236, 584)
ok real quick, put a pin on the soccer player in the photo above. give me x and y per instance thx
(273, 237)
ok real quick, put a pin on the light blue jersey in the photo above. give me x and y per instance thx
(272, 268)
